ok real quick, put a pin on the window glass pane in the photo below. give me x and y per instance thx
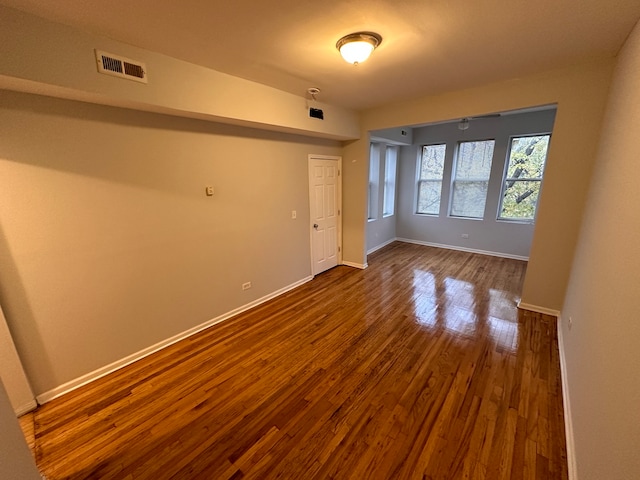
(429, 196)
(474, 160)
(520, 200)
(469, 199)
(430, 171)
(527, 157)
(432, 164)
(471, 179)
(521, 185)
(374, 173)
(390, 181)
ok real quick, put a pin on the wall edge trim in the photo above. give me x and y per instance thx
(382, 245)
(118, 364)
(566, 405)
(464, 249)
(538, 309)
(26, 408)
(361, 266)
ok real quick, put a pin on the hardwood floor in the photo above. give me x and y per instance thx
(418, 367)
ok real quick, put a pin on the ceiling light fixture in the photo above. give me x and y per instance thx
(355, 48)
(464, 124)
(313, 91)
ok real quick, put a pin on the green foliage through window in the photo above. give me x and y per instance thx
(521, 185)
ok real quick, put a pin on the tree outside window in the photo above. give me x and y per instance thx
(523, 178)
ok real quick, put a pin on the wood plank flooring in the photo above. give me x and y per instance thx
(419, 367)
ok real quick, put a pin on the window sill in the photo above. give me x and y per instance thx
(517, 222)
(475, 219)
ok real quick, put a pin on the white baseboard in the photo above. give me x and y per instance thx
(538, 309)
(382, 245)
(566, 403)
(112, 367)
(361, 266)
(26, 408)
(464, 249)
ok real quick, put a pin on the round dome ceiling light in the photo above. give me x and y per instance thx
(355, 48)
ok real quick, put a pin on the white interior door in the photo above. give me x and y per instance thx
(325, 203)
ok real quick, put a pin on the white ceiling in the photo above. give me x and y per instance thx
(428, 46)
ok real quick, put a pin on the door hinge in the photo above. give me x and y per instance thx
(338, 172)
(339, 249)
(338, 212)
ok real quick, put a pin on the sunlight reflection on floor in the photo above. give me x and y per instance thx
(460, 307)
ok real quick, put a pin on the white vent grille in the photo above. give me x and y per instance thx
(122, 67)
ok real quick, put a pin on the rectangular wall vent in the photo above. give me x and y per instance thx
(122, 67)
(316, 113)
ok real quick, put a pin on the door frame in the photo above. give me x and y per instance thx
(337, 158)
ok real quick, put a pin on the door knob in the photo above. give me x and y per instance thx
(315, 225)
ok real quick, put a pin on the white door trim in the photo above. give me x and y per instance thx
(337, 158)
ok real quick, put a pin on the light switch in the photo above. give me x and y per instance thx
(209, 191)
(294, 214)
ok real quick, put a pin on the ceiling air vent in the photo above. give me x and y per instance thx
(122, 67)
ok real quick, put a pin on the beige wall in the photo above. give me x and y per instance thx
(39, 56)
(12, 372)
(602, 349)
(580, 93)
(108, 243)
(16, 461)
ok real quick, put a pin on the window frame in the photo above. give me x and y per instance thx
(419, 180)
(525, 221)
(454, 169)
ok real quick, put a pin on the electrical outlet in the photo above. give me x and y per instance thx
(246, 286)
(209, 191)
(294, 214)
(570, 323)
(465, 235)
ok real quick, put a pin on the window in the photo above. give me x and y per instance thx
(523, 177)
(471, 179)
(374, 175)
(390, 160)
(430, 171)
